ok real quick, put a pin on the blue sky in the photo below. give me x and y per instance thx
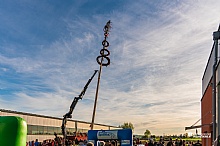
(159, 50)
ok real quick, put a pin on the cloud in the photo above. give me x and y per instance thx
(158, 54)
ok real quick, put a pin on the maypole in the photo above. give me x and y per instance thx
(104, 53)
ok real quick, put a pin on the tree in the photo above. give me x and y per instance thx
(147, 133)
(127, 125)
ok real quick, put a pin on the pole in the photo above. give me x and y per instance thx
(216, 36)
(96, 95)
(214, 97)
(103, 55)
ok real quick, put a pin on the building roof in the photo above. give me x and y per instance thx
(51, 117)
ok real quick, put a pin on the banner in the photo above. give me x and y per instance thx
(107, 134)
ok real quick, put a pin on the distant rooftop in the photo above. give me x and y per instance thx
(51, 117)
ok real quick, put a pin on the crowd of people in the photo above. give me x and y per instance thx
(48, 142)
(161, 142)
(76, 142)
(58, 141)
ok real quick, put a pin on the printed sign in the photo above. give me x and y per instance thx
(125, 142)
(205, 135)
(107, 134)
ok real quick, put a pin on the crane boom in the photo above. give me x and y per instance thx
(69, 114)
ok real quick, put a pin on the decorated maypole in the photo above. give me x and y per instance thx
(104, 53)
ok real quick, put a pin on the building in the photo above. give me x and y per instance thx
(206, 103)
(42, 127)
(210, 94)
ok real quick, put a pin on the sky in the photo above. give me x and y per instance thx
(158, 51)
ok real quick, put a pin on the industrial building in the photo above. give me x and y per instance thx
(206, 103)
(42, 127)
(210, 103)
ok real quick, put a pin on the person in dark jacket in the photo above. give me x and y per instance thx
(170, 143)
(197, 144)
(150, 143)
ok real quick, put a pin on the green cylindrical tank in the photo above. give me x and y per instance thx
(13, 131)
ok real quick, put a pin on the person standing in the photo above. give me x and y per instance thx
(198, 143)
(146, 144)
(89, 144)
(150, 143)
(113, 143)
(170, 143)
(30, 143)
(36, 142)
(176, 142)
